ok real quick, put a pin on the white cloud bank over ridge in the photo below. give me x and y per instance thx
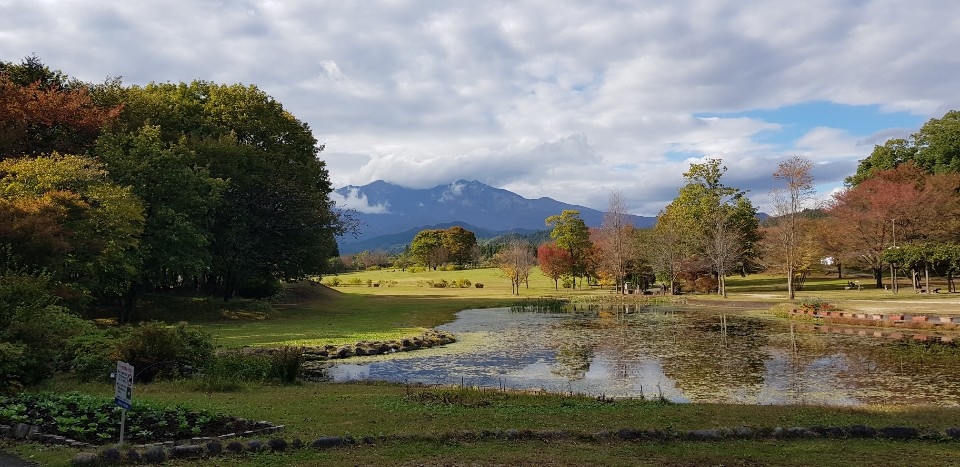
(562, 99)
(358, 202)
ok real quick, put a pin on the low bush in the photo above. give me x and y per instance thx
(285, 364)
(33, 330)
(226, 370)
(478, 285)
(92, 356)
(333, 282)
(816, 304)
(462, 283)
(156, 349)
(356, 281)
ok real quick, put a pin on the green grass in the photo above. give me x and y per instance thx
(313, 410)
(309, 314)
(313, 315)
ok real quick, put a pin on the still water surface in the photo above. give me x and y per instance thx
(683, 354)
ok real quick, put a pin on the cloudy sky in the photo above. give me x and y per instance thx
(546, 97)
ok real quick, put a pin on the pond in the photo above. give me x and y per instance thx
(681, 354)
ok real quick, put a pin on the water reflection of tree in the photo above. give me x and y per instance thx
(573, 361)
(712, 361)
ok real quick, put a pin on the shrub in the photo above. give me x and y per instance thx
(416, 269)
(463, 283)
(450, 267)
(478, 285)
(373, 268)
(33, 329)
(92, 355)
(441, 284)
(285, 364)
(155, 349)
(705, 284)
(258, 287)
(333, 282)
(816, 304)
(355, 281)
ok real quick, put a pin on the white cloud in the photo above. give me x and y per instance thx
(358, 202)
(562, 99)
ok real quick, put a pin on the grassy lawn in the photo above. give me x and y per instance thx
(313, 410)
(405, 304)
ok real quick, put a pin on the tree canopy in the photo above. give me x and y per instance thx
(709, 226)
(203, 185)
(934, 149)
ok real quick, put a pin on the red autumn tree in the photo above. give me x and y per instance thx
(42, 112)
(555, 262)
(867, 214)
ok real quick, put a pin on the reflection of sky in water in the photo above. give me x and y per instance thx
(682, 355)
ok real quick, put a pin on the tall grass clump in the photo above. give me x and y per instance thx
(541, 305)
(228, 371)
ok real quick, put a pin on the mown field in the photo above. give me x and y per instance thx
(421, 426)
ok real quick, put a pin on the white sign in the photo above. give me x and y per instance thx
(124, 387)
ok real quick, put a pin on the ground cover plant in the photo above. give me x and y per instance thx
(96, 419)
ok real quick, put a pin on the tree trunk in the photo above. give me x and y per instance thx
(839, 270)
(791, 293)
(878, 275)
(127, 303)
(926, 277)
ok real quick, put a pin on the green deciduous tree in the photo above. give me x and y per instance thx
(89, 227)
(461, 245)
(713, 221)
(273, 219)
(179, 197)
(934, 149)
(427, 248)
(571, 233)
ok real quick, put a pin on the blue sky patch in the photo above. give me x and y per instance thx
(799, 119)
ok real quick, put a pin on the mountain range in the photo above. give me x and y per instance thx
(391, 215)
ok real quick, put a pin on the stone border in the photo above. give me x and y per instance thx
(883, 320)
(23, 431)
(215, 448)
(430, 338)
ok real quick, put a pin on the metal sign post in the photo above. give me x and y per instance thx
(123, 394)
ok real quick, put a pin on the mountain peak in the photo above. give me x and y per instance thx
(387, 209)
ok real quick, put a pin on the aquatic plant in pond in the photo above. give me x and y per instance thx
(684, 354)
(540, 305)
